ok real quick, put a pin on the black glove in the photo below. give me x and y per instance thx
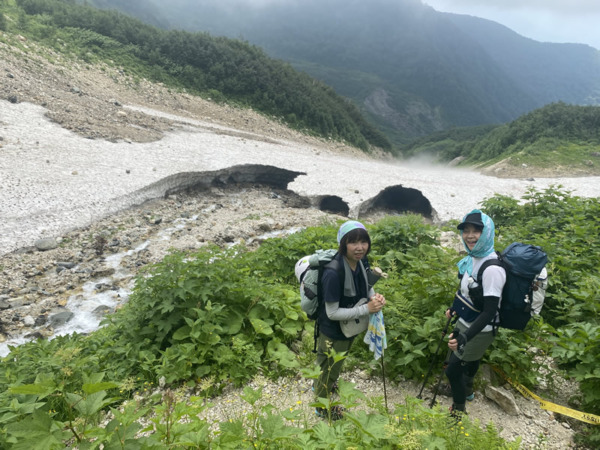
(461, 339)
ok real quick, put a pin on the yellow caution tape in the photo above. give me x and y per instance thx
(583, 417)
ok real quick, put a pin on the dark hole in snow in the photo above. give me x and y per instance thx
(398, 199)
(333, 204)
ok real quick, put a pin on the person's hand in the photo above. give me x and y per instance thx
(457, 342)
(449, 313)
(376, 304)
(452, 343)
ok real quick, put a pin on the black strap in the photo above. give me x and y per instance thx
(316, 335)
(487, 263)
(319, 304)
(491, 262)
(339, 268)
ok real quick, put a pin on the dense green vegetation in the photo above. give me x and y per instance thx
(220, 68)
(555, 135)
(220, 317)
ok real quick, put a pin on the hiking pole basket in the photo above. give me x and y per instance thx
(434, 358)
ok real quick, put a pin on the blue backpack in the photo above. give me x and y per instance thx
(526, 281)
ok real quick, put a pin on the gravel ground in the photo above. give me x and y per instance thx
(80, 144)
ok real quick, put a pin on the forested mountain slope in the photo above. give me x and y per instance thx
(412, 69)
(558, 138)
(216, 67)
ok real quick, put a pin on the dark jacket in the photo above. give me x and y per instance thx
(333, 290)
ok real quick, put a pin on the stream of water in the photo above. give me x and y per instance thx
(85, 310)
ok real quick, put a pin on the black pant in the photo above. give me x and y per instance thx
(456, 372)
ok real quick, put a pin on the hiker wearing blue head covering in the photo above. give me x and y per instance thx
(474, 331)
(347, 297)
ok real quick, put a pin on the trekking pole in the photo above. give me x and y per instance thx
(384, 388)
(444, 331)
(439, 381)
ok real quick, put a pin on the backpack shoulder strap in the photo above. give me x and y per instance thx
(339, 268)
(335, 265)
(487, 263)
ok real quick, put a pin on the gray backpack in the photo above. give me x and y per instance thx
(309, 270)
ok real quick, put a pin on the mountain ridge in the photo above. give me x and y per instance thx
(462, 70)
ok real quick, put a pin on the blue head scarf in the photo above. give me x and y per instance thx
(484, 246)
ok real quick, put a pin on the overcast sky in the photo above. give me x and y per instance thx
(575, 21)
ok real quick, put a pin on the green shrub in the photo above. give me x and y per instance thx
(209, 314)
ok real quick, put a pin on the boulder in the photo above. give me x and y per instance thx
(45, 244)
(29, 321)
(60, 318)
(504, 399)
(101, 311)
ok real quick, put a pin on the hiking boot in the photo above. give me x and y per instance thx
(457, 411)
(337, 413)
